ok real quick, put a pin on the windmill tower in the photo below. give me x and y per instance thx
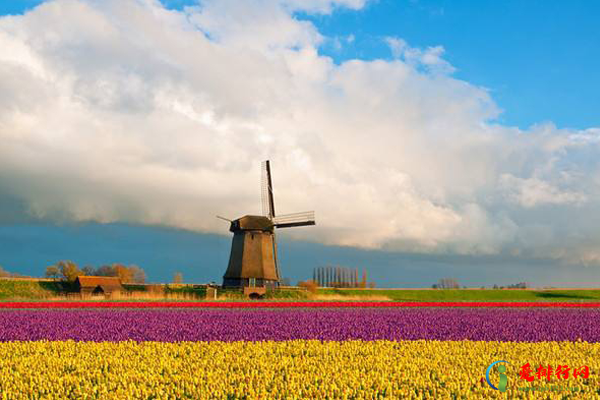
(253, 259)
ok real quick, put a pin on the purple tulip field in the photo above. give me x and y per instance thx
(489, 324)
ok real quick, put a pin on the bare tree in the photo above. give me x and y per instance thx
(52, 272)
(520, 285)
(137, 274)
(447, 283)
(4, 273)
(285, 282)
(178, 278)
(106, 270)
(88, 270)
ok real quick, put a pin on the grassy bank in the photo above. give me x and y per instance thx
(10, 290)
(44, 290)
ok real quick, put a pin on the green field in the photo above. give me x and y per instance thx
(43, 290)
(471, 295)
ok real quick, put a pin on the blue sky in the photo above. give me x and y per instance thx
(539, 59)
(413, 174)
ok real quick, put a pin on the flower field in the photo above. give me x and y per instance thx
(286, 370)
(298, 353)
(497, 324)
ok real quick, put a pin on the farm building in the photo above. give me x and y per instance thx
(98, 285)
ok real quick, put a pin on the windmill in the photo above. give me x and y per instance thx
(253, 259)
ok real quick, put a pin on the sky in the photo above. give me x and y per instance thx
(432, 138)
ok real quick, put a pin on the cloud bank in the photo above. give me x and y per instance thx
(122, 110)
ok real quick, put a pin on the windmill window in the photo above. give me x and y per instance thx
(252, 282)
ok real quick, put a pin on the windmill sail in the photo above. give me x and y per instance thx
(296, 219)
(268, 203)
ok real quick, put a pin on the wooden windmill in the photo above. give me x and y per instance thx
(253, 259)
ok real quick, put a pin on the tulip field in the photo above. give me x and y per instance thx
(397, 324)
(298, 352)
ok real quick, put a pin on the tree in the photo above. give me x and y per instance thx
(52, 272)
(363, 282)
(137, 274)
(285, 282)
(448, 283)
(4, 273)
(124, 274)
(106, 270)
(130, 274)
(88, 270)
(520, 285)
(178, 278)
(309, 285)
(69, 270)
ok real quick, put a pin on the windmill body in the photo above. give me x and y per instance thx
(253, 257)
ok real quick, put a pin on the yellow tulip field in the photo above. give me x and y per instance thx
(295, 369)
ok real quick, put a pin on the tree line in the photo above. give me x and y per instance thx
(69, 271)
(450, 283)
(7, 274)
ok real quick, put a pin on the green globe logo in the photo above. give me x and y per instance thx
(503, 378)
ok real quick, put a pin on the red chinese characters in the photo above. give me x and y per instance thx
(562, 372)
(584, 372)
(543, 372)
(525, 373)
(547, 372)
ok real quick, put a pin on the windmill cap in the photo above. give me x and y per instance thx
(252, 223)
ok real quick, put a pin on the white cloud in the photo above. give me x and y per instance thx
(532, 192)
(322, 6)
(430, 58)
(125, 111)
(397, 46)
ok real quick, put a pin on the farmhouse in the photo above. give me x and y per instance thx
(98, 285)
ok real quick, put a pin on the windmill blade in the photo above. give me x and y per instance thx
(268, 203)
(264, 190)
(305, 218)
(275, 257)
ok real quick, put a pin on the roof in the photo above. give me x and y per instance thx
(94, 281)
(251, 223)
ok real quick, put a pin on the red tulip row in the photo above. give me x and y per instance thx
(284, 304)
